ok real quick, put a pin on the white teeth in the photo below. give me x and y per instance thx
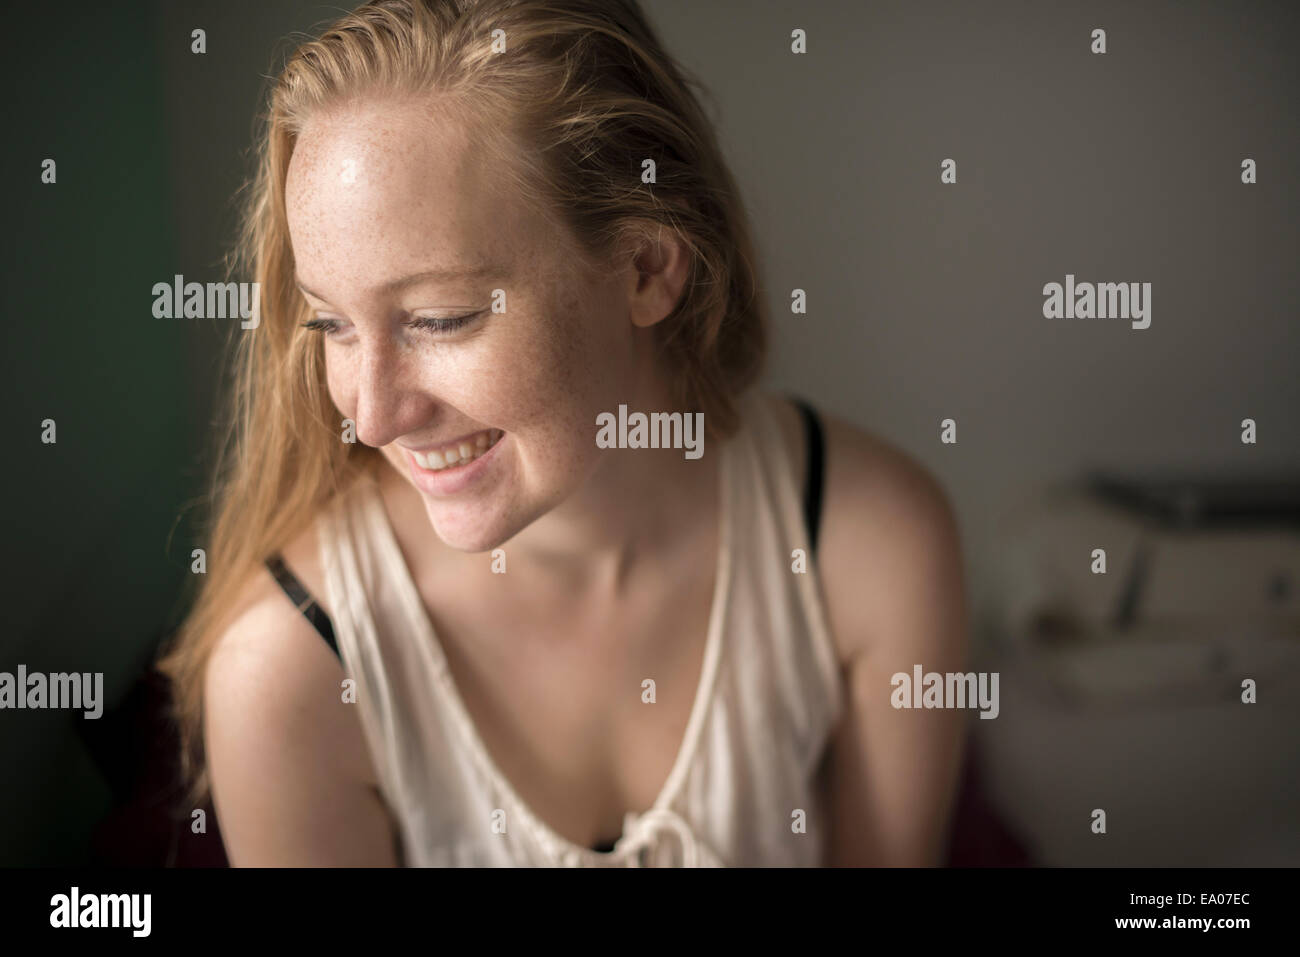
(458, 454)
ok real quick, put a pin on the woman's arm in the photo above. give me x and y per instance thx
(291, 777)
(891, 568)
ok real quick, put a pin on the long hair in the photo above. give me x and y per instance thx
(571, 96)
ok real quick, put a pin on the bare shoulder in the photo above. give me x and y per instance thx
(272, 664)
(889, 552)
(291, 775)
(269, 661)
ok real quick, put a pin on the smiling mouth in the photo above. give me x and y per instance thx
(461, 452)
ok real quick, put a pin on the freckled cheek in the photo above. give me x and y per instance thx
(557, 388)
(548, 378)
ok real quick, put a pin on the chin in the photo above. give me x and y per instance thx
(474, 535)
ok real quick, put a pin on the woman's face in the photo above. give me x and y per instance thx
(397, 217)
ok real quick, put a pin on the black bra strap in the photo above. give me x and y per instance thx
(812, 492)
(303, 601)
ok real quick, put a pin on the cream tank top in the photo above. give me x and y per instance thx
(741, 792)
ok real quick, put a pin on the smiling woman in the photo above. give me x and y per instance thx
(460, 261)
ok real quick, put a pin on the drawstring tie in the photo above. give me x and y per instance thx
(641, 834)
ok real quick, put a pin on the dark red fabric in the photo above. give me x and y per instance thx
(137, 750)
(979, 836)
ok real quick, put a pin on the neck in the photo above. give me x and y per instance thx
(636, 507)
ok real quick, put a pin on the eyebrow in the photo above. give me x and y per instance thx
(443, 275)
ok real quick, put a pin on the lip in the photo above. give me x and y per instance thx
(455, 479)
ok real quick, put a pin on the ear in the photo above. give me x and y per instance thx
(661, 264)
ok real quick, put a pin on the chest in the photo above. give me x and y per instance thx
(582, 707)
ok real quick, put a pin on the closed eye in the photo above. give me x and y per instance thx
(327, 326)
(443, 323)
(439, 324)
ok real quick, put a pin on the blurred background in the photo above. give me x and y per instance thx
(1120, 691)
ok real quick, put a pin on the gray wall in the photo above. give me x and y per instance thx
(925, 300)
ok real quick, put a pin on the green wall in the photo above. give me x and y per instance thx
(89, 580)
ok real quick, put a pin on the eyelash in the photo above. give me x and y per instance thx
(438, 324)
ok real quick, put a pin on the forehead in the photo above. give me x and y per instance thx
(384, 188)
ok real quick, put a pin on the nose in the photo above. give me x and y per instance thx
(389, 400)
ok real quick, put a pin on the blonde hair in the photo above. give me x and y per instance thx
(582, 94)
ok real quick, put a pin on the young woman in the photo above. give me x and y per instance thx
(446, 620)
